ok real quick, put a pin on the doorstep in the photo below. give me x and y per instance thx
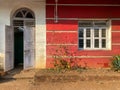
(19, 74)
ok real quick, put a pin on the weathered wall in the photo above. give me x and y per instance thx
(7, 8)
(65, 32)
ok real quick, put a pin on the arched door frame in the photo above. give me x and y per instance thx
(20, 19)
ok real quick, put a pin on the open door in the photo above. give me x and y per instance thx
(29, 47)
(9, 48)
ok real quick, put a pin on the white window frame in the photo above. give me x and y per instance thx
(108, 36)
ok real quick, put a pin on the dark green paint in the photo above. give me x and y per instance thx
(18, 47)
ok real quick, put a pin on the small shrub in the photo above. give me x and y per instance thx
(61, 63)
(116, 63)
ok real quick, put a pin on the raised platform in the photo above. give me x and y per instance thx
(73, 76)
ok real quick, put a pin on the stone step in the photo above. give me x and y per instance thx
(73, 76)
(19, 74)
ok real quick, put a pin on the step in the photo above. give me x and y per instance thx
(73, 77)
(2, 73)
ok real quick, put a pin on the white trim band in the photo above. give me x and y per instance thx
(84, 5)
(78, 18)
(82, 56)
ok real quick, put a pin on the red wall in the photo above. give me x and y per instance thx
(84, 2)
(84, 12)
(65, 32)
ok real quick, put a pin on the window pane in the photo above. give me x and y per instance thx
(80, 43)
(96, 43)
(88, 43)
(88, 33)
(29, 15)
(103, 32)
(19, 14)
(96, 32)
(103, 43)
(24, 11)
(81, 32)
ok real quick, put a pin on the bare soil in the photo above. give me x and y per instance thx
(79, 85)
(93, 84)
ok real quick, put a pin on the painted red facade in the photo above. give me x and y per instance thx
(65, 31)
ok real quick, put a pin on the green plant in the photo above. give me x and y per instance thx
(59, 57)
(64, 60)
(116, 63)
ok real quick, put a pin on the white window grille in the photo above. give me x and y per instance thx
(94, 34)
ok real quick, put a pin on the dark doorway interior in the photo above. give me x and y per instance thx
(18, 48)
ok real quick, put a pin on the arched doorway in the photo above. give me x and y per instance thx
(23, 22)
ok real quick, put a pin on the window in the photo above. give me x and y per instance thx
(23, 17)
(24, 13)
(94, 35)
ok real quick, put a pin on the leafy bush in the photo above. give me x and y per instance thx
(59, 57)
(64, 60)
(116, 63)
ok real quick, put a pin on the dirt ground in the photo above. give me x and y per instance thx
(85, 85)
(29, 84)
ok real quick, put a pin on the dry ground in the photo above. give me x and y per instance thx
(28, 84)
